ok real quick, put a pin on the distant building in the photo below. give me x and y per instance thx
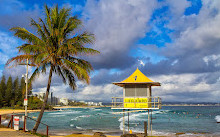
(100, 104)
(94, 103)
(41, 96)
(90, 103)
(55, 101)
(64, 101)
(51, 99)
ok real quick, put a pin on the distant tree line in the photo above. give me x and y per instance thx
(12, 92)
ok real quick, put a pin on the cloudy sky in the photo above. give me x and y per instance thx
(174, 42)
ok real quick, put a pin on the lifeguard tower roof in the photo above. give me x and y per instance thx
(137, 78)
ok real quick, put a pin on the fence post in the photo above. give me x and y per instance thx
(47, 131)
(12, 121)
(24, 123)
(145, 128)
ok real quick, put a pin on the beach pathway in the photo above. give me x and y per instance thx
(7, 132)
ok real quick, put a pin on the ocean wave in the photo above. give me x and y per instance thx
(58, 116)
(139, 116)
(103, 114)
(141, 130)
(97, 109)
(74, 118)
(135, 118)
(79, 128)
(217, 118)
(65, 112)
(72, 125)
(82, 116)
(5, 121)
(132, 117)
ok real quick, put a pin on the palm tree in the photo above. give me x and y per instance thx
(56, 46)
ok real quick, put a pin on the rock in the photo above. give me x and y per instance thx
(140, 134)
(99, 134)
(129, 135)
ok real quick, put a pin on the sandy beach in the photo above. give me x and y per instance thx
(11, 111)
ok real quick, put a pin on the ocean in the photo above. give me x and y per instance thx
(166, 121)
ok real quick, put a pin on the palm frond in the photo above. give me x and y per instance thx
(79, 71)
(60, 73)
(20, 59)
(39, 29)
(36, 73)
(69, 76)
(48, 18)
(71, 25)
(63, 16)
(26, 35)
(31, 48)
(82, 63)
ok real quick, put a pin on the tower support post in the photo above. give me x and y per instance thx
(128, 121)
(148, 121)
(123, 122)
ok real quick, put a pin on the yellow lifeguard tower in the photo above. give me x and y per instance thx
(137, 95)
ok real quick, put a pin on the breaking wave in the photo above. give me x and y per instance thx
(217, 118)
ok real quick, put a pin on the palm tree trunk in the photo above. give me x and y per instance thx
(45, 102)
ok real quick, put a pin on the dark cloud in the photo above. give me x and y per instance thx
(18, 15)
(115, 60)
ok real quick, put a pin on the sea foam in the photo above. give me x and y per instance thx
(217, 118)
(64, 112)
(79, 128)
(5, 121)
(140, 116)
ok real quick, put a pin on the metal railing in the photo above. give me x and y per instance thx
(47, 130)
(131, 102)
(10, 123)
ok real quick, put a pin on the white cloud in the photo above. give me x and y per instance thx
(117, 25)
(87, 92)
(181, 87)
(212, 58)
(99, 92)
(141, 62)
(202, 38)
(3, 58)
(7, 47)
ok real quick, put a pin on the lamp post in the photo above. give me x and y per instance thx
(26, 97)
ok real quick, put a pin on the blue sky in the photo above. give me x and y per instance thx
(175, 42)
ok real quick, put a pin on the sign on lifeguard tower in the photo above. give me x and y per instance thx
(136, 93)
